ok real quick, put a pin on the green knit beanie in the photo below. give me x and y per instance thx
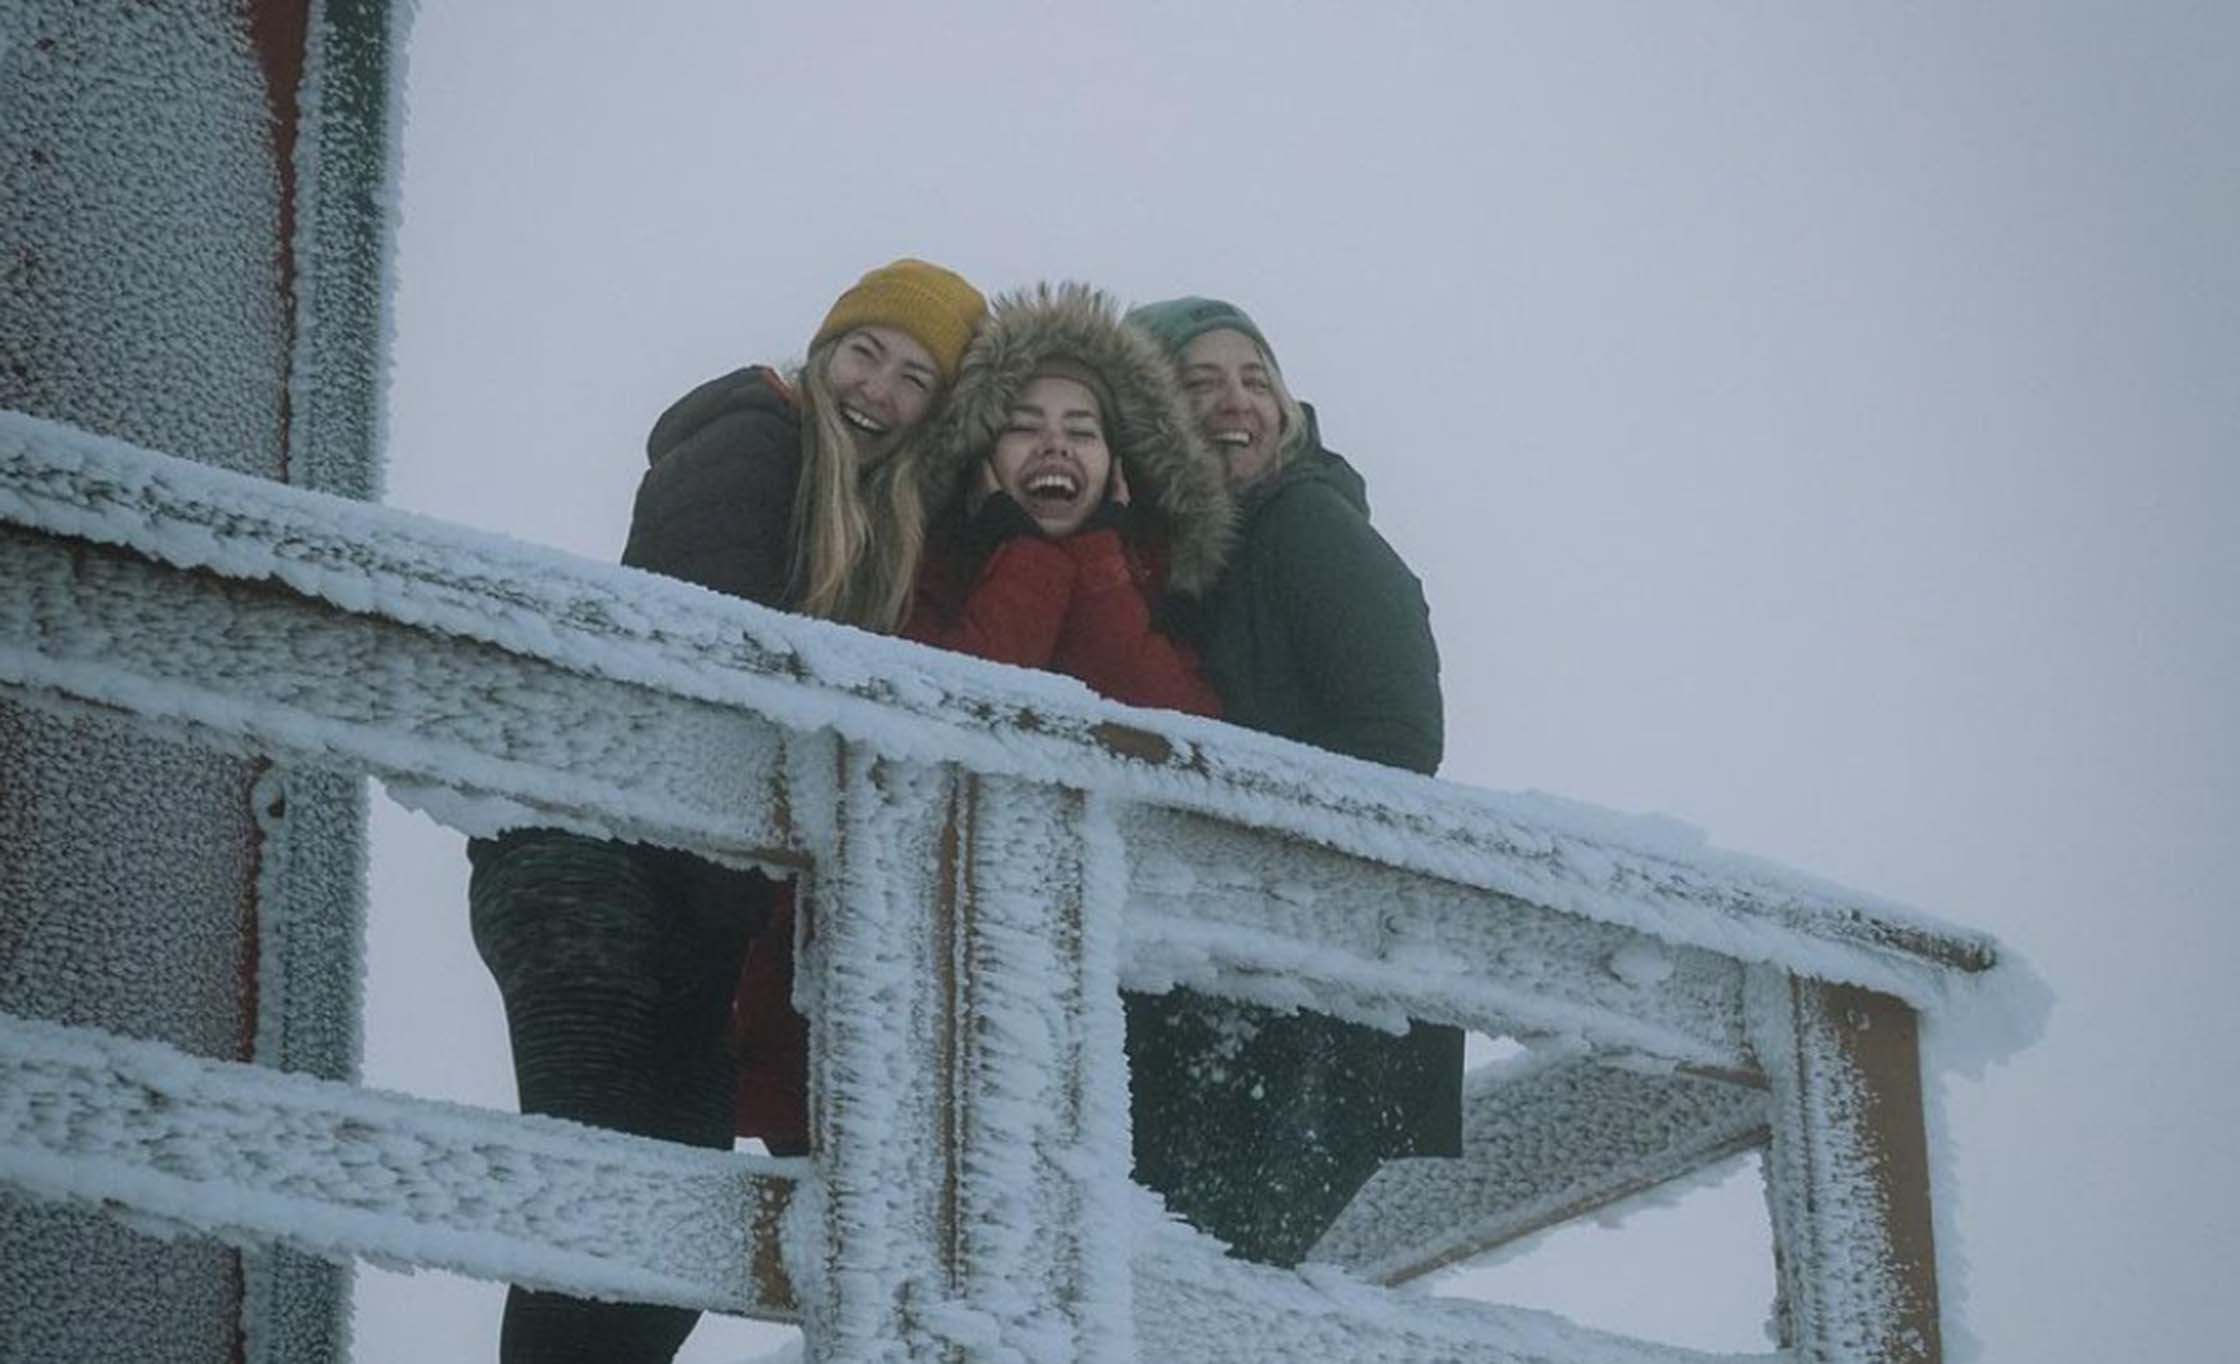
(1176, 322)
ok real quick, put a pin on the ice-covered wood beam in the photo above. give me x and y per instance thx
(1195, 1306)
(254, 1157)
(969, 1092)
(1288, 923)
(1847, 1173)
(800, 675)
(253, 663)
(1546, 1138)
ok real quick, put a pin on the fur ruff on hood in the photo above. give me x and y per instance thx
(1170, 470)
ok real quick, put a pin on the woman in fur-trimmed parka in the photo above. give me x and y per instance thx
(1078, 500)
(1259, 1126)
(617, 961)
(1078, 507)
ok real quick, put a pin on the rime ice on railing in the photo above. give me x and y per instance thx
(988, 854)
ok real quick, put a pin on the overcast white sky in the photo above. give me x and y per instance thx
(1815, 422)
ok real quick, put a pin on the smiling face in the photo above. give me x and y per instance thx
(1051, 456)
(1231, 389)
(884, 382)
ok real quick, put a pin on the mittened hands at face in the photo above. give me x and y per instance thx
(994, 515)
(1113, 516)
(998, 518)
(1115, 513)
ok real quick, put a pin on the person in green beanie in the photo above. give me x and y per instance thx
(1259, 1126)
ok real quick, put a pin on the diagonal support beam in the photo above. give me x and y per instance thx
(1195, 1305)
(1545, 1139)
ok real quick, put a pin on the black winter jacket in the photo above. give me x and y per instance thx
(717, 500)
(1319, 632)
(714, 508)
(1260, 1126)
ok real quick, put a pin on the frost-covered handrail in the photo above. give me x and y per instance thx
(993, 854)
(255, 1156)
(695, 646)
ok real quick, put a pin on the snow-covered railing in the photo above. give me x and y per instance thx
(989, 856)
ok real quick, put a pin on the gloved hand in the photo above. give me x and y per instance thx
(1109, 515)
(999, 518)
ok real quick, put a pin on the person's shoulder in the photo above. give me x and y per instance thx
(1306, 501)
(714, 504)
(1315, 533)
(743, 412)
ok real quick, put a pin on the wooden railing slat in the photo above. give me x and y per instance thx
(256, 1156)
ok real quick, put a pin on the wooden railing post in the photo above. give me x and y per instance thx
(969, 1091)
(1847, 1173)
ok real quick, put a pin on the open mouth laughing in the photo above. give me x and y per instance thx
(870, 426)
(1056, 485)
(1051, 488)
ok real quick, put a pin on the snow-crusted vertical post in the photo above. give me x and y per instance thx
(884, 847)
(1848, 1173)
(1040, 1107)
(193, 264)
(970, 1109)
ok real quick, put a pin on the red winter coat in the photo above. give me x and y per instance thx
(1079, 606)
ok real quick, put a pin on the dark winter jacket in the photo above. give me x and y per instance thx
(716, 502)
(1319, 632)
(714, 508)
(1260, 1126)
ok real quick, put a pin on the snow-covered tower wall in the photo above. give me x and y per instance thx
(194, 229)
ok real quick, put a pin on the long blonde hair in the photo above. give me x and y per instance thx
(1294, 416)
(858, 533)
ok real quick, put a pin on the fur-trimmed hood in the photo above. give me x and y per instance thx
(1170, 470)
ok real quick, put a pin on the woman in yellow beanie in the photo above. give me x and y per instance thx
(618, 962)
(789, 493)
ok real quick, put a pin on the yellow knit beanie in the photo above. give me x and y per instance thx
(936, 307)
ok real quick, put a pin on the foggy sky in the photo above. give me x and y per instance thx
(1816, 423)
